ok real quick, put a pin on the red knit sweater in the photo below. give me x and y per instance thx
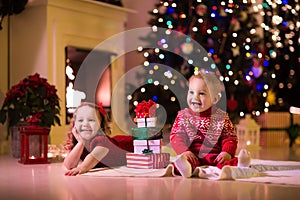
(210, 131)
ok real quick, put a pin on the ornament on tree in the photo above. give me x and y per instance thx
(162, 10)
(232, 104)
(181, 29)
(243, 16)
(201, 9)
(235, 25)
(235, 51)
(271, 97)
(249, 81)
(175, 15)
(250, 101)
(257, 69)
(210, 42)
(217, 60)
(204, 26)
(222, 12)
(187, 48)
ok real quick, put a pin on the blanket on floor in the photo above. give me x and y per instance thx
(264, 171)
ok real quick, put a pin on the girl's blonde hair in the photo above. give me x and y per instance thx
(213, 83)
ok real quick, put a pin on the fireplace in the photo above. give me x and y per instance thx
(92, 87)
(41, 34)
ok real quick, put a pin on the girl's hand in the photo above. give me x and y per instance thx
(72, 172)
(77, 136)
(222, 157)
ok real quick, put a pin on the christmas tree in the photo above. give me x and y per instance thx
(281, 24)
(239, 37)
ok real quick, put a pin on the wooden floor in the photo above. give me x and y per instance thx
(18, 181)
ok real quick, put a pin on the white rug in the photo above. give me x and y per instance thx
(263, 171)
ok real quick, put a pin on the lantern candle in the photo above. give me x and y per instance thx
(34, 144)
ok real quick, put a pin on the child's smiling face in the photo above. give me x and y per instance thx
(199, 98)
(86, 122)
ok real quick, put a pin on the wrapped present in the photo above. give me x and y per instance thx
(147, 161)
(146, 133)
(141, 145)
(146, 122)
(145, 109)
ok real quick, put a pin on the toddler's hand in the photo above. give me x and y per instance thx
(222, 157)
(75, 171)
(190, 157)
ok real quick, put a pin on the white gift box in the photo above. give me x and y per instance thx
(146, 122)
(140, 145)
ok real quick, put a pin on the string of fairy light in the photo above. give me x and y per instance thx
(261, 59)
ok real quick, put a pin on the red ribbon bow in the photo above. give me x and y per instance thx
(101, 109)
(145, 109)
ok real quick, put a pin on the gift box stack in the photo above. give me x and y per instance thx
(147, 140)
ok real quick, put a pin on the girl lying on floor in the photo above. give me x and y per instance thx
(89, 141)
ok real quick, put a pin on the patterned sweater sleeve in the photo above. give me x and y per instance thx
(178, 137)
(229, 138)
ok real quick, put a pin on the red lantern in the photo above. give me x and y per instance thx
(34, 144)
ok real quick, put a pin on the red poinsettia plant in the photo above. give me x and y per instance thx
(33, 99)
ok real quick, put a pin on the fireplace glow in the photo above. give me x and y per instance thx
(73, 98)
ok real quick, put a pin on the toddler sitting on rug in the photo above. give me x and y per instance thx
(89, 141)
(203, 134)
